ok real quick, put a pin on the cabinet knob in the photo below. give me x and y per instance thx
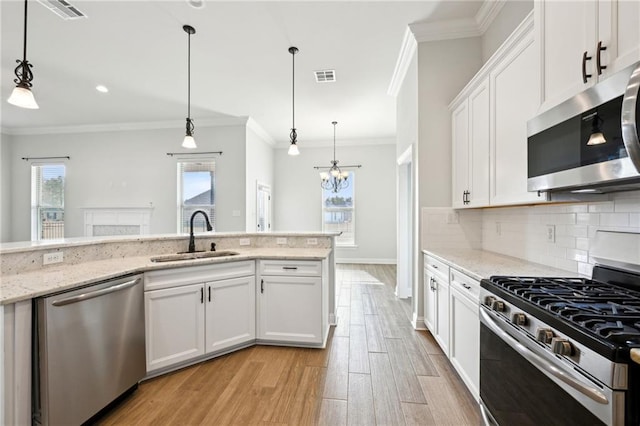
(599, 65)
(585, 76)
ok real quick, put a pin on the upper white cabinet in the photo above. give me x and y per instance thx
(470, 135)
(582, 42)
(489, 126)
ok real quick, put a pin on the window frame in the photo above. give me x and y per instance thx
(181, 225)
(36, 200)
(341, 243)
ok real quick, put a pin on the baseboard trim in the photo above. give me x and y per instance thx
(418, 323)
(367, 261)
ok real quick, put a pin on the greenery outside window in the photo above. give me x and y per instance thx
(338, 212)
(47, 201)
(196, 191)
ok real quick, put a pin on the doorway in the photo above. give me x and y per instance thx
(263, 207)
(404, 284)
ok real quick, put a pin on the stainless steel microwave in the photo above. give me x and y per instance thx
(588, 143)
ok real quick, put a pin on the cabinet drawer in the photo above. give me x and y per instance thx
(439, 268)
(166, 278)
(301, 268)
(465, 285)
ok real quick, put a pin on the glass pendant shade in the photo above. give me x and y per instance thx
(596, 138)
(189, 142)
(293, 149)
(23, 98)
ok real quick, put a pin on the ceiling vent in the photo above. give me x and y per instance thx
(325, 76)
(63, 9)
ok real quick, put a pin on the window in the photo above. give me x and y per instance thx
(338, 212)
(196, 191)
(47, 201)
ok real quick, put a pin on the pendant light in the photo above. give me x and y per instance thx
(22, 95)
(189, 142)
(334, 179)
(293, 148)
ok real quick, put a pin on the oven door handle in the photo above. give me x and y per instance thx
(562, 374)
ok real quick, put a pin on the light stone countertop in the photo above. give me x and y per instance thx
(479, 264)
(60, 277)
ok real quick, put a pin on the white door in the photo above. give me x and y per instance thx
(460, 154)
(619, 32)
(479, 146)
(263, 208)
(465, 340)
(230, 313)
(429, 302)
(442, 313)
(290, 309)
(174, 325)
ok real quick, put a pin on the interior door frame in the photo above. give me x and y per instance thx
(263, 187)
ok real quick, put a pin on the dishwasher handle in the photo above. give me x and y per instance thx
(97, 293)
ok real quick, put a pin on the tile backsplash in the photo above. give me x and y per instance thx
(557, 235)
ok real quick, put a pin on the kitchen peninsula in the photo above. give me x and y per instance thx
(267, 271)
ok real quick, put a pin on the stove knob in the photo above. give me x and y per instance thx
(489, 300)
(497, 305)
(519, 318)
(561, 346)
(544, 335)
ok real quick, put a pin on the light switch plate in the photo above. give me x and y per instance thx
(281, 241)
(245, 241)
(49, 258)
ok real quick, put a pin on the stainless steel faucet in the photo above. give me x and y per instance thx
(192, 240)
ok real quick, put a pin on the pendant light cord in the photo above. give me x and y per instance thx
(293, 86)
(334, 141)
(24, 49)
(189, 76)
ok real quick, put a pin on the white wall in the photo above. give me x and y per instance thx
(129, 169)
(297, 196)
(510, 16)
(259, 167)
(407, 109)
(6, 156)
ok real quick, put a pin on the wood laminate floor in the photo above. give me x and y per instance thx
(376, 370)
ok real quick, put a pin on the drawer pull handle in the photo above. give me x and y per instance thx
(201, 294)
(209, 293)
(435, 266)
(290, 268)
(468, 287)
(261, 286)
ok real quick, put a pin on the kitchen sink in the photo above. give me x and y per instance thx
(191, 256)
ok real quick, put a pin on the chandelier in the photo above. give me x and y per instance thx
(333, 179)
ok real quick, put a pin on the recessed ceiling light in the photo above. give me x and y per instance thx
(196, 4)
(102, 89)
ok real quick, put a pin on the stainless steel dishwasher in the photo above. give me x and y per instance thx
(89, 349)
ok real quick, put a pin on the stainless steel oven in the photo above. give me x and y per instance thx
(590, 142)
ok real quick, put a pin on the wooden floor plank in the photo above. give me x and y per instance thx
(337, 381)
(419, 357)
(368, 307)
(344, 298)
(360, 402)
(358, 353)
(356, 315)
(375, 339)
(333, 412)
(343, 319)
(385, 396)
(418, 415)
(409, 389)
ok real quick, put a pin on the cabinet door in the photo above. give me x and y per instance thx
(429, 302)
(619, 32)
(479, 146)
(465, 340)
(565, 30)
(442, 313)
(230, 313)
(174, 325)
(290, 309)
(514, 100)
(460, 154)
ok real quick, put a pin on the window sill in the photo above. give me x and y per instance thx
(348, 246)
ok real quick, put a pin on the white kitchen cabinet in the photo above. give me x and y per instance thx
(174, 325)
(471, 149)
(230, 313)
(292, 302)
(192, 312)
(464, 348)
(575, 36)
(514, 84)
(437, 303)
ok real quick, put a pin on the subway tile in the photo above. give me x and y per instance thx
(568, 265)
(565, 241)
(585, 269)
(627, 205)
(577, 255)
(601, 207)
(634, 220)
(588, 219)
(582, 243)
(614, 219)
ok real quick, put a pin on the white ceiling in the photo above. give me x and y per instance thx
(240, 63)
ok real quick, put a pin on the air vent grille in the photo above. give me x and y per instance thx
(325, 76)
(63, 9)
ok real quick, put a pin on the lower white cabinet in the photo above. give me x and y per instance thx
(291, 302)
(464, 348)
(436, 300)
(187, 318)
(429, 301)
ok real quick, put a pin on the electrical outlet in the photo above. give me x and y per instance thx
(245, 241)
(551, 233)
(498, 228)
(281, 241)
(312, 241)
(49, 258)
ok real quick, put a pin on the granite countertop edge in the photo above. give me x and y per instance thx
(480, 264)
(63, 277)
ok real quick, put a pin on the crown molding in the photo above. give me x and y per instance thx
(121, 127)
(407, 51)
(259, 130)
(343, 142)
(487, 13)
(445, 30)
